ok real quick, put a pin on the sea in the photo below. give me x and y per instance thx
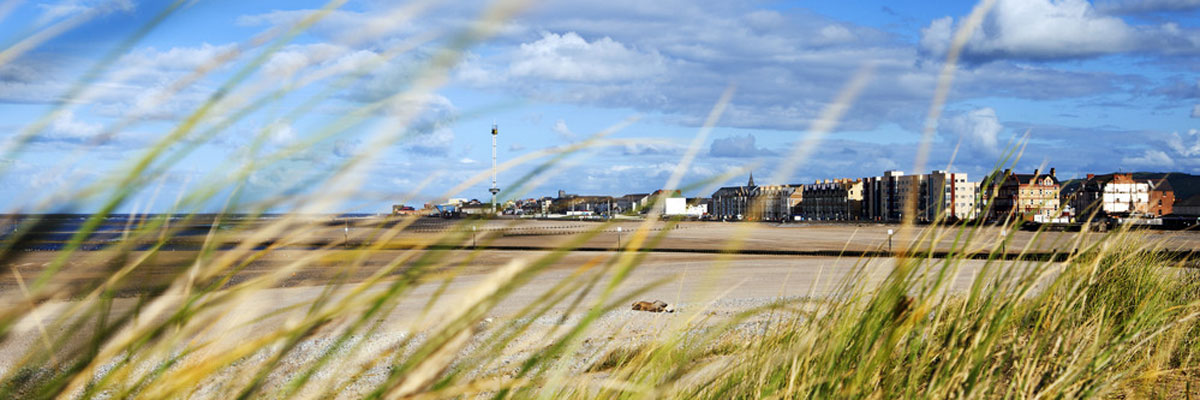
(52, 232)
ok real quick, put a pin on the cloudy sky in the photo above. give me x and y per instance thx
(412, 89)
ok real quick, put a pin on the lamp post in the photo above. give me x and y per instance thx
(1003, 235)
(890, 234)
(618, 238)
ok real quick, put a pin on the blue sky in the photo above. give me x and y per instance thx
(1097, 86)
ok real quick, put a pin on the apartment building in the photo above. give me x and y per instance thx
(885, 197)
(753, 202)
(948, 195)
(833, 200)
(1114, 194)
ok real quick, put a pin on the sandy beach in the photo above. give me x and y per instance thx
(698, 285)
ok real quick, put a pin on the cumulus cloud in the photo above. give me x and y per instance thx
(1038, 30)
(651, 148)
(294, 58)
(560, 127)
(346, 148)
(675, 57)
(435, 142)
(280, 132)
(70, 8)
(1061, 29)
(342, 26)
(738, 147)
(153, 64)
(139, 86)
(1146, 6)
(66, 127)
(977, 130)
(1150, 158)
(568, 57)
(1186, 145)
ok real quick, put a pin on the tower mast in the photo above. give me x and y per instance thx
(494, 189)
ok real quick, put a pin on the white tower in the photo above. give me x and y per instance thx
(494, 189)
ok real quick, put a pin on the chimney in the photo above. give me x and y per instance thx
(1052, 172)
(1037, 172)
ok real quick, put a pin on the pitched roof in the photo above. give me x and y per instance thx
(1026, 179)
(1190, 201)
(1161, 185)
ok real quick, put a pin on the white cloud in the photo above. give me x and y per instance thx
(935, 38)
(71, 8)
(67, 128)
(281, 133)
(834, 34)
(648, 147)
(675, 57)
(737, 146)
(1141, 6)
(152, 62)
(978, 130)
(294, 58)
(342, 26)
(560, 127)
(1038, 29)
(568, 57)
(346, 148)
(1187, 145)
(435, 142)
(1150, 158)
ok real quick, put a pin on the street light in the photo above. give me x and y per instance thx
(618, 238)
(1003, 235)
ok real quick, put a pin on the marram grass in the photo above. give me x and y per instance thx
(135, 318)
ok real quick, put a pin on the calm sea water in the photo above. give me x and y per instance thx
(50, 232)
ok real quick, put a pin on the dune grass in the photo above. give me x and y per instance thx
(134, 318)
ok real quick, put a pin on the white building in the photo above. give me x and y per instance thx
(950, 193)
(675, 206)
(1117, 194)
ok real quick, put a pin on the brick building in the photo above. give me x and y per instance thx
(1024, 196)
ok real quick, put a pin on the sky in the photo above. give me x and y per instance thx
(393, 102)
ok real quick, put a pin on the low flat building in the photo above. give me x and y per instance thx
(630, 202)
(1189, 207)
(576, 204)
